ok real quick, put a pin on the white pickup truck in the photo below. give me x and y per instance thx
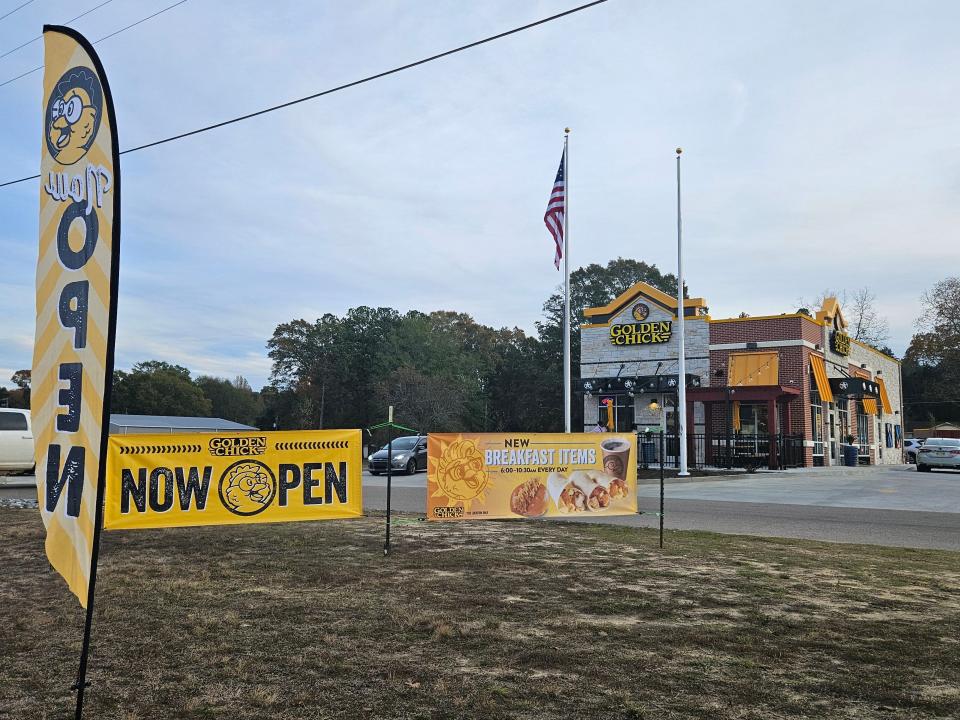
(16, 440)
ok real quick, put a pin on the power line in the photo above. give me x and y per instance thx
(345, 86)
(15, 9)
(143, 20)
(40, 37)
(116, 32)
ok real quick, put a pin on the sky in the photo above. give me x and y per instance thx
(820, 151)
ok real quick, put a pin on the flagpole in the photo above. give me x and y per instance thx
(566, 281)
(681, 350)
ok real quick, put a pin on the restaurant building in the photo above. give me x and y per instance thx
(776, 391)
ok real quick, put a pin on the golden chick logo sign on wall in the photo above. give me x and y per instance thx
(76, 300)
(474, 476)
(184, 480)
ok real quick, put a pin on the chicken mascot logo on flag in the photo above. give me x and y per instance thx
(73, 115)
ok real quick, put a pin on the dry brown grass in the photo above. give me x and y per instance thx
(481, 620)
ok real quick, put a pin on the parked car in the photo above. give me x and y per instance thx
(409, 455)
(16, 440)
(939, 452)
(910, 447)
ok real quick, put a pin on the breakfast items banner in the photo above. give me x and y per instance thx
(188, 479)
(76, 300)
(478, 476)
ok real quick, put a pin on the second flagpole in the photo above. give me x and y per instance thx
(566, 281)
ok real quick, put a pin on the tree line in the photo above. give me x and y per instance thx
(443, 370)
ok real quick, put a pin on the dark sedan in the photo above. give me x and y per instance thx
(409, 455)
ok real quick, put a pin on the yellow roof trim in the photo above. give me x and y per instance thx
(609, 322)
(645, 289)
(767, 317)
(831, 308)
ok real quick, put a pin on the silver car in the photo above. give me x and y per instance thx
(910, 448)
(940, 453)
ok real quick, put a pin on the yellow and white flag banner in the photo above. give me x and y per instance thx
(76, 299)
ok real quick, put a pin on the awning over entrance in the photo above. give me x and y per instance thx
(855, 387)
(820, 378)
(870, 406)
(884, 398)
(755, 368)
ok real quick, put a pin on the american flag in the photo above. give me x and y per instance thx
(553, 217)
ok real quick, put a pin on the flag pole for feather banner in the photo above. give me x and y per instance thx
(681, 350)
(76, 293)
(566, 281)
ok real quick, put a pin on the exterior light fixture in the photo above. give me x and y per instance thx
(654, 406)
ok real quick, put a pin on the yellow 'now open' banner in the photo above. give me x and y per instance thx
(189, 479)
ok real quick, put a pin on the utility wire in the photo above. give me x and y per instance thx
(116, 32)
(40, 37)
(345, 86)
(15, 9)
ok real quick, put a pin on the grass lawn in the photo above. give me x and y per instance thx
(526, 619)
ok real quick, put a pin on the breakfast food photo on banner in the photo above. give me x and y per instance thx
(477, 476)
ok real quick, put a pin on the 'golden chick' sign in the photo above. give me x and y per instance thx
(643, 333)
(189, 479)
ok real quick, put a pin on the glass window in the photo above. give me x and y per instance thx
(753, 419)
(816, 421)
(12, 421)
(622, 407)
(844, 418)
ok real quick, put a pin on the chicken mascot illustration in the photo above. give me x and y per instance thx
(73, 115)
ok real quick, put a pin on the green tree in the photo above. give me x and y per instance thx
(20, 398)
(230, 400)
(158, 388)
(931, 366)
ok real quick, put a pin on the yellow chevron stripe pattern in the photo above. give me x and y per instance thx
(78, 189)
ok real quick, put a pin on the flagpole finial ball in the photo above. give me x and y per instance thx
(567, 130)
(679, 150)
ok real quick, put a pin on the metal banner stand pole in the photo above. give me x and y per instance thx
(661, 487)
(386, 545)
(391, 426)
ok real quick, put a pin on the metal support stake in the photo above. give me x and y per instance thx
(386, 545)
(661, 487)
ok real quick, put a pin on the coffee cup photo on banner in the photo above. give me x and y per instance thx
(476, 476)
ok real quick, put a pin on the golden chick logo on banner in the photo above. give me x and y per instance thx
(76, 299)
(183, 480)
(491, 475)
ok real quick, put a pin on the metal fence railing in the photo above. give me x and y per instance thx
(738, 450)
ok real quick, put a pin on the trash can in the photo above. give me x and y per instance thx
(648, 452)
(850, 453)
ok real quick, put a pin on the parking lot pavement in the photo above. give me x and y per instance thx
(893, 506)
(895, 487)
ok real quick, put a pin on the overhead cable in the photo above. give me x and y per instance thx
(115, 32)
(345, 86)
(15, 9)
(40, 37)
